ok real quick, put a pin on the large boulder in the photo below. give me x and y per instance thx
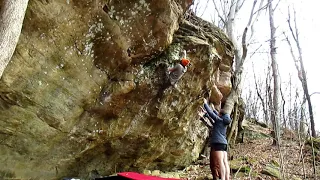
(85, 88)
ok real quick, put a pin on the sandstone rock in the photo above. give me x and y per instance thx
(155, 173)
(216, 96)
(147, 172)
(56, 119)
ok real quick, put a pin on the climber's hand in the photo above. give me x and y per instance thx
(205, 101)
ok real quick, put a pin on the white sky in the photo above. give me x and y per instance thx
(308, 21)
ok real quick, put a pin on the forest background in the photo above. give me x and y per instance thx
(257, 66)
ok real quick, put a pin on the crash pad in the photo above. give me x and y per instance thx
(138, 176)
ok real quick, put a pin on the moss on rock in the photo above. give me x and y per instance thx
(239, 165)
(272, 169)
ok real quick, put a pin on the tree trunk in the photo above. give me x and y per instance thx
(306, 92)
(296, 122)
(268, 98)
(263, 103)
(229, 17)
(301, 128)
(275, 109)
(11, 17)
(283, 109)
(301, 71)
(234, 123)
(241, 112)
(231, 100)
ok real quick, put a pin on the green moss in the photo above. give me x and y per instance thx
(315, 141)
(240, 165)
(272, 169)
(170, 56)
(275, 163)
(255, 135)
(6, 174)
(252, 161)
(245, 173)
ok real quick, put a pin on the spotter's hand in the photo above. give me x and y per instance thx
(205, 101)
(201, 112)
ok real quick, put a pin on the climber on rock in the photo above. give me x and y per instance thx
(178, 70)
(218, 141)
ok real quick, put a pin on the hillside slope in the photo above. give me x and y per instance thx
(256, 158)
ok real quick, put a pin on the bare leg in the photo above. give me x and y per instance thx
(226, 164)
(217, 164)
(213, 165)
(222, 168)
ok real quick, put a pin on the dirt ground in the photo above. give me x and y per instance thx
(257, 152)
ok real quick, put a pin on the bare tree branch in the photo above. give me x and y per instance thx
(244, 36)
(239, 5)
(196, 7)
(225, 7)
(263, 103)
(205, 8)
(289, 24)
(292, 54)
(276, 5)
(261, 7)
(255, 51)
(232, 8)
(256, 17)
(314, 93)
(219, 15)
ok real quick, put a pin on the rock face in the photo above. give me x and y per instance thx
(85, 89)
